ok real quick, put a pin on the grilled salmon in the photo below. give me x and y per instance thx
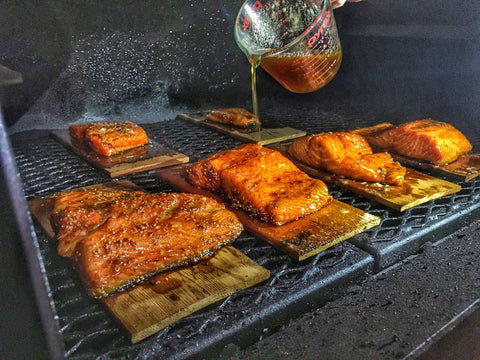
(427, 139)
(108, 138)
(348, 155)
(137, 235)
(77, 214)
(206, 173)
(262, 182)
(237, 117)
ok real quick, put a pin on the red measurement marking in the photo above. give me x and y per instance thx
(316, 36)
(257, 6)
(246, 21)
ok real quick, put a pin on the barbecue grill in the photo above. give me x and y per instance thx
(153, 61)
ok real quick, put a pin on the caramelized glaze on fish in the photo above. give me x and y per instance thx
(134, 237)
(76, 214)
(206, 173)
(108, 138)
(348, 155)
(262, 182)
(427, 139)
(237, 117)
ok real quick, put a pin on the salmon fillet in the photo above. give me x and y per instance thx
(348, 155)
(77, 214)
(206, 173)
(427, 139)
(237, 117)
(138, 235)
(262, 182)
(108, 138)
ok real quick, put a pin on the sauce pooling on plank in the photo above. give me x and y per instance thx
(348, 155)
(119, 239)
(262, 182)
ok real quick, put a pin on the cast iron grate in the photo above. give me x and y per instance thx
(89, 331)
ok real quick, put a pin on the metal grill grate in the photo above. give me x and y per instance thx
(89, 331)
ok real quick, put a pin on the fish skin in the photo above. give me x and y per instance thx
(349, 155)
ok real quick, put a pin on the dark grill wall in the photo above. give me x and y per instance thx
(402, 60)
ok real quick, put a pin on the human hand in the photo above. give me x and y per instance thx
(338, 3)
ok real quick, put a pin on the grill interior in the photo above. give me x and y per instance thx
(88, 330)
(149, 61)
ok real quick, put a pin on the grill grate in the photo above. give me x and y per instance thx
(89, 331)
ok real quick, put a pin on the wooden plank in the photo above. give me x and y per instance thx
(142, 158)
(165, 298)
(418, 188)
(465, 168)
(301, 238)
(265, 136)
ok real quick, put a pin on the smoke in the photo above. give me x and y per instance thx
(144, 75)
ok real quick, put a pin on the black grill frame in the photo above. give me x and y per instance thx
(89, 331)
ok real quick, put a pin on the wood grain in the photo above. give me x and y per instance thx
(418, 188)
(302, 238)
(263, 137)
(142, 158)
(465, 168)
(165, 298)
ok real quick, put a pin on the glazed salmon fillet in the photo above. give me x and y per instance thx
(427, 139)
(77, 214)
(348, 155)
(144, 234)
(206, 173)
(235, 116)
(262, 182)
(109, 138)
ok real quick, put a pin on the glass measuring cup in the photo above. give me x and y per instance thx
(296, 42)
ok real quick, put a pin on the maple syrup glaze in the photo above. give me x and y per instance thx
(303, 74)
